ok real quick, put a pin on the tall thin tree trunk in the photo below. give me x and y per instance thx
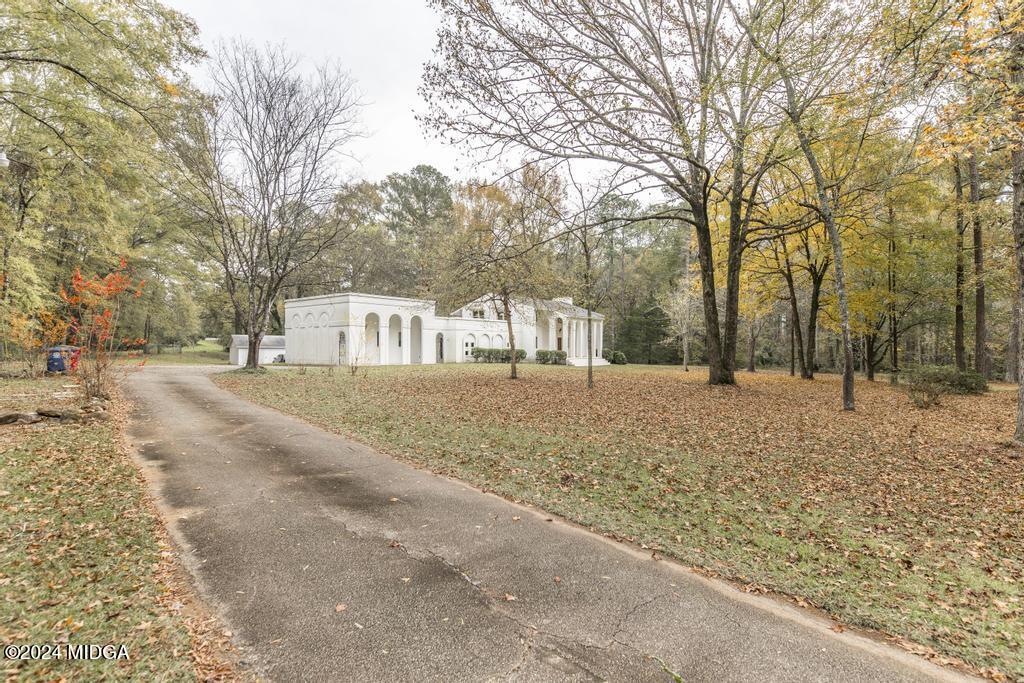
(838, 260)
(980, 333)
(958, 315)
(1013, 347)
(687, 285)
(1016, 64)
(811, 355)
(894, 342)
(590, 349)
(751, 344)
(792, 349)
(507, 307)
(869, 357)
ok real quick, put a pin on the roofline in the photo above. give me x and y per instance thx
(349, 295)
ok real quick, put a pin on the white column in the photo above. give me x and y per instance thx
(551, 332)
(429, 346)
(581, 341)
(570, 341)
(356, 339)
(597, 339)
(384, 335)
(407, 343)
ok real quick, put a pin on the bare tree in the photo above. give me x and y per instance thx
(591, 216)
(496, 253)
(261, 173)
(668, 91)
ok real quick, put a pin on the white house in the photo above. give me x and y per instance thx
(272, 347)
(367, 329)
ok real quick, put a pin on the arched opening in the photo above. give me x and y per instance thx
(440, 347)
(342, 348)
(395, 340)
(416, 340)
(498, 341)
(371, 345)
(468, 344)
(559, 329)
(485, 341)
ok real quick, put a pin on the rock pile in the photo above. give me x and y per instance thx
(94, 411)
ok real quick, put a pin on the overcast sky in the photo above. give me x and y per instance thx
(383, 43)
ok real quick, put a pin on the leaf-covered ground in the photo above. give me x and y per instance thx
(904, 520)
(82, 555)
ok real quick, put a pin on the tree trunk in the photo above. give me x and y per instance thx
(5, 273)
(751, 344)
(795, 332)
(719, 372)
(589, 290)
(869, 357)
(958, 315)
(893, 331)
(687, 253)
(252, 361)
(147, 332)
(734, 260)
(507, 307)
(1013, 347)
(590, 349)
(811, 355)
(838, 262)
(980, 351)
(792, 349)
(1016, 63)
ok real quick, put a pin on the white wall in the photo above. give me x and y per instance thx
(313, 326)
(238, 356)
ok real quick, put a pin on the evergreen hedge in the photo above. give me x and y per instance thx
(492, 355)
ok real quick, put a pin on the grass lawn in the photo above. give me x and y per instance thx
(903, 520)
(203, 353)
(81, 558)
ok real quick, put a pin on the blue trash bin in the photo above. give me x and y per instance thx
(55, 360)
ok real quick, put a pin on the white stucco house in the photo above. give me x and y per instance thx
(367, 329)
(272, 347)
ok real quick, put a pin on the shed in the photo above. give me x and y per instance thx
(271, 350)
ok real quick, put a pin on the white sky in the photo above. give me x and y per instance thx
(382, 43)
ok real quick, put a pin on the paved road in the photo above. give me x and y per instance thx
(283, 524)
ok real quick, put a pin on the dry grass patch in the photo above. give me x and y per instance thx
(891, 517)
(83, 558)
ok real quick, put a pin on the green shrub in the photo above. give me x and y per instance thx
(617, 358)
(547, 357)
(954, 381)
(493, 355)
(926, 384)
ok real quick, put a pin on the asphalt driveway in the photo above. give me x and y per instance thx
(330, 561)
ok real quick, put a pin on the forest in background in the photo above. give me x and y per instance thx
(93, 96)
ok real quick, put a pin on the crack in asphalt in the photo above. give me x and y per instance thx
(530, 631)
